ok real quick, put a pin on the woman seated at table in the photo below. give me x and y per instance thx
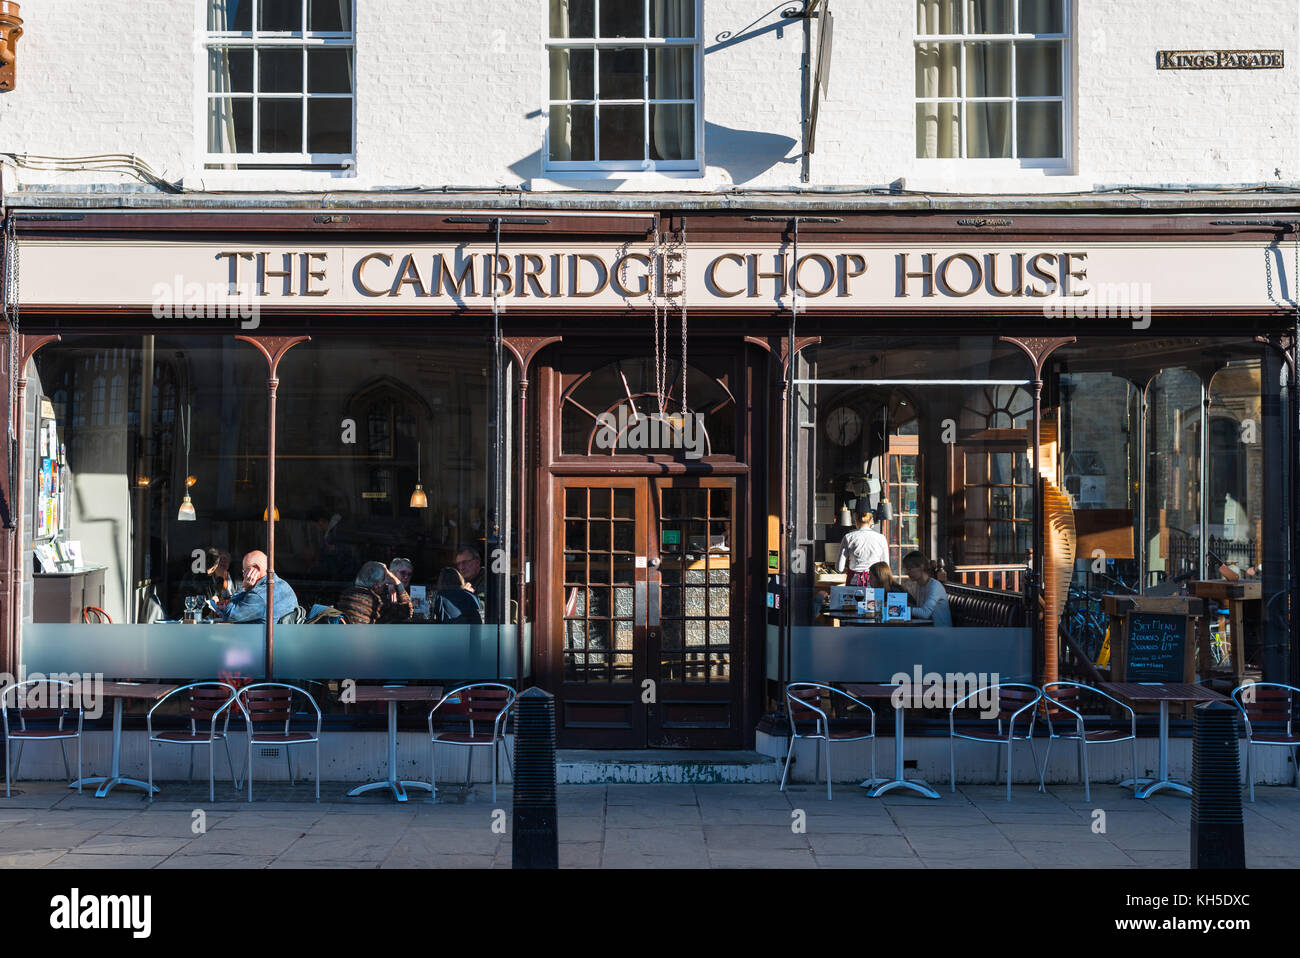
(454, 603)
(931, 599)
(881, 576)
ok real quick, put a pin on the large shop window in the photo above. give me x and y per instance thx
(992, 80)
(281, 84)
(394, 551)
(927, 445)
(624, 85)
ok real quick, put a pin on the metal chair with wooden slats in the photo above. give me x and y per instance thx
(479, 702)
(269, 707)
(94, 615)
(1064, 704)
(1267, 708)
(208, 702)
(804, 705)
(45, 692)
(1015, 699)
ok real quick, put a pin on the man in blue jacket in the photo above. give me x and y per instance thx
(249, 604)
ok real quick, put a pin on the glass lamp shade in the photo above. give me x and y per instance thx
(418, 498)
(885, 511)
(277, 514)
(186, 512)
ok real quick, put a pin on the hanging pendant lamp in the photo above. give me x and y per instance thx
(186, 512)
(418, 498)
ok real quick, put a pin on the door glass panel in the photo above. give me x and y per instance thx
(598, 636)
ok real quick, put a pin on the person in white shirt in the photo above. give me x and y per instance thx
(861, 549)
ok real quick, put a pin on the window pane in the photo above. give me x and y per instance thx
(622, 134)
(622, 18)
(329, 126)
(988, 16)
(329, 71)
(230, 70)
(938, 67)
(988, 69)
(572, 74)
(988, 130)
(938, 131)
(1038, 130)
(329, 16)
(672, 131)
(1041, 16)
(573, 18)
(672, 18)
(1038, 69)
(280, 126)
(230, 125)
(280, 15)
(938, 16)
(279, 71)
(573, 134)
(621, 73)
(230, 16)
(672, 74)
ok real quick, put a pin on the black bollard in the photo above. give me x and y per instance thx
(1218, 829)
(535, 844)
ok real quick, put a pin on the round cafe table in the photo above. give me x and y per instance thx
(879, 786)
(392, 695)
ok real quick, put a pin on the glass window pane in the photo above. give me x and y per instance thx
(279, 71)
(1038, 130)
(988, 130)
(1038, 69)
(329, 71)
(573, 18)
(573, 133)
(622, 18)
(672, 74)
(230, 125)
(938, 69)
(230, 16)
(938, 16)
(988, 16)
(329, 16)
(938, 131)
(329, 126)
(280, 126)
(621, 73)
(988, 69)
(672, 132)
(622, 133)
(672, 18)
(230, 70)
(624, 503)
(1041, 16)
(280, 16)
(573, 74)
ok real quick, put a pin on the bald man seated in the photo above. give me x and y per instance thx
(249, 603)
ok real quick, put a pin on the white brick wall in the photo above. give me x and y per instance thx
(455, 95)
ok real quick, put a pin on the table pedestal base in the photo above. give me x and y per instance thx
(879, 786)
(399, 788)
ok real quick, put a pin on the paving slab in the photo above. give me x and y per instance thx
(132, 861)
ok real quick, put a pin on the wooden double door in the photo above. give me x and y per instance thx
(646, 624)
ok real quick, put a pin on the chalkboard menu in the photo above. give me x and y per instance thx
(1156, 649)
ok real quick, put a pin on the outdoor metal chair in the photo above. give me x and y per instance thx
(1015, 699)
(803, 705)
(1064, 704)
(269, 708)
(478, 702)
(47, 721)
(208, 702)
(1266, 708)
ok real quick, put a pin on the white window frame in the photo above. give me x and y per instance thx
(323, 163)
(598, 167)
(1044, 165)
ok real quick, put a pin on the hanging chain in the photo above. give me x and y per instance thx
(681, 243)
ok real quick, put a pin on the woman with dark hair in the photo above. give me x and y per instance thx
(214, 582)
(453, 604)
(931, 599)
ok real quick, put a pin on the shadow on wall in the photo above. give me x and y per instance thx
(742, 154)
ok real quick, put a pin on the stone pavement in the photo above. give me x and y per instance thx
(627, 826)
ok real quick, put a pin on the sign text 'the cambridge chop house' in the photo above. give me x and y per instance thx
(461, 276)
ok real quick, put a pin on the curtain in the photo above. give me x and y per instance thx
(561, 117)
(672, 129)
(988, 73)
